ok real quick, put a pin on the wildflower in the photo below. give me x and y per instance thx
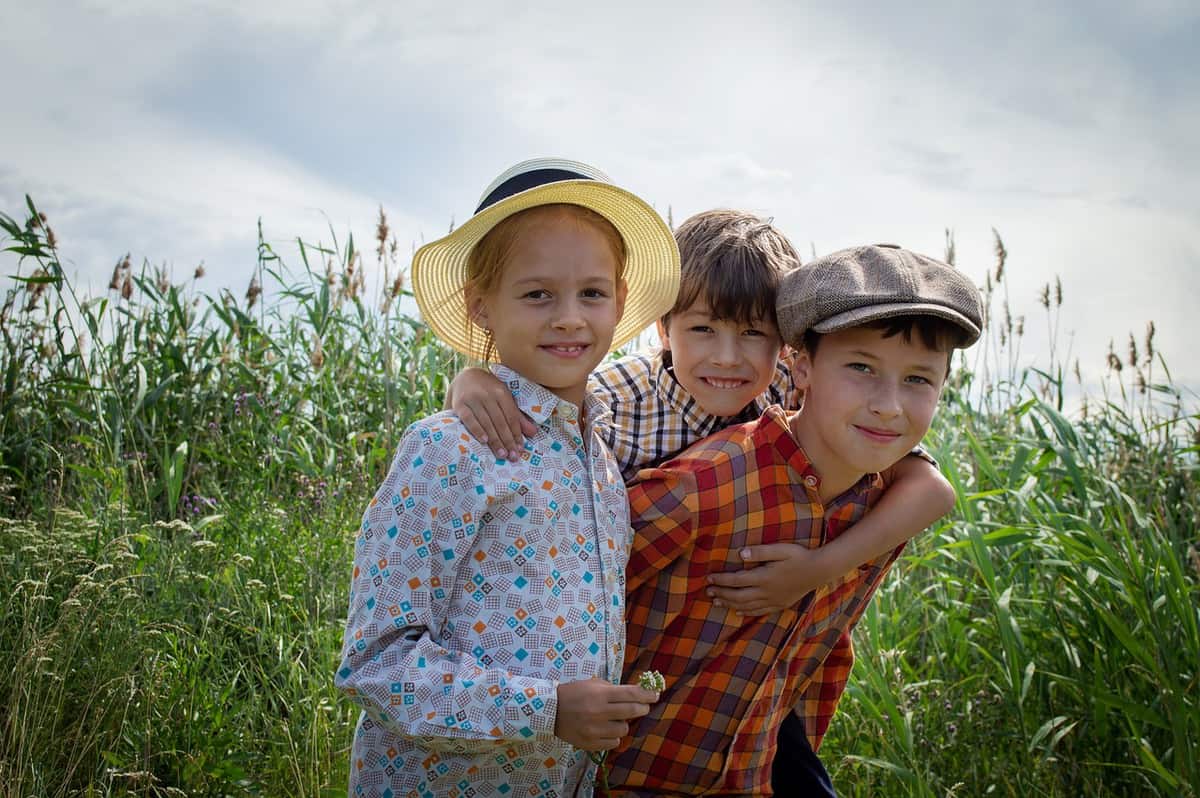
(255, 584)
(317, 356)
(652, 681)
(253, 292)
(115, 283)
(1114, 362)
(381, 234)
(1001, 255)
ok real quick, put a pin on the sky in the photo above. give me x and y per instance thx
(167, 130)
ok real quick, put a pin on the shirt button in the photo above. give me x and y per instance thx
(811, 481)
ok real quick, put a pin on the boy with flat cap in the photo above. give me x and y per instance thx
(874, 329)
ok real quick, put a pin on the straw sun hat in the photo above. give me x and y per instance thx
(439, 269)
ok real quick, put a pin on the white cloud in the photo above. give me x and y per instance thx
(169, 129)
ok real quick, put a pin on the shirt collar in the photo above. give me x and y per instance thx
(541, 404)
(679, 401)
(798, 460)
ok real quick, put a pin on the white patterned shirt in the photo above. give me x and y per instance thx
(479, 585)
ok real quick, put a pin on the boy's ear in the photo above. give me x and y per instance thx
(801, 367)
(663, 336)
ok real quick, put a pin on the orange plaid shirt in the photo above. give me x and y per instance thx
(732, 680)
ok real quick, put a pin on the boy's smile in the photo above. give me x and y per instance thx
(868, 401)
(723, 364)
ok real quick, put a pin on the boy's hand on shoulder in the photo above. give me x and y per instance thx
(486, 408)
(594, 715)
(785, 574)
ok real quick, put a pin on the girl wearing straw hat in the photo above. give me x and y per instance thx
(486, 629)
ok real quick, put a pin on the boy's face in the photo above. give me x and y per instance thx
(868, 400)
(724, 364)
(554, 309)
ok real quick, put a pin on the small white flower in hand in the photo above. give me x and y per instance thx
(652, 681)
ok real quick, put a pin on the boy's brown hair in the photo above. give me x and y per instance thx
(731, 261)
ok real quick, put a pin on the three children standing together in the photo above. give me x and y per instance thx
(505, 599)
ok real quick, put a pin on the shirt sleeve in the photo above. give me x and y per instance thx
(415, 534)
(662, 509)
(889, 474)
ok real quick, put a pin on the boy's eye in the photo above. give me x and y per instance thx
(753, 331)
(700, 328)
(919, 380)
(863, 367)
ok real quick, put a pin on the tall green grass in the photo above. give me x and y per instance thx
(180, 474)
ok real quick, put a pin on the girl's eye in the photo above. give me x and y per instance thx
(537, 293)
(593, 293)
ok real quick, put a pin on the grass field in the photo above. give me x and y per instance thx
(182, 473)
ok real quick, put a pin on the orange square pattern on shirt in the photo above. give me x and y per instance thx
(731, 680)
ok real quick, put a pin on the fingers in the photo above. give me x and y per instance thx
(736, 579)
(481, 428)
(632, 693)
(769, 552)
(736, 596)
(496, 422)
(528, 428)
(745, 600)
(508, 417)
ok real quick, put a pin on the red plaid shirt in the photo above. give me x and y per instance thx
(731, 680)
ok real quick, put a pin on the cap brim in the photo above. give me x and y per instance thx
(439, 269)
(858, 316)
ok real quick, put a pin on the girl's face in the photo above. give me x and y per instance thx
(552, 313)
